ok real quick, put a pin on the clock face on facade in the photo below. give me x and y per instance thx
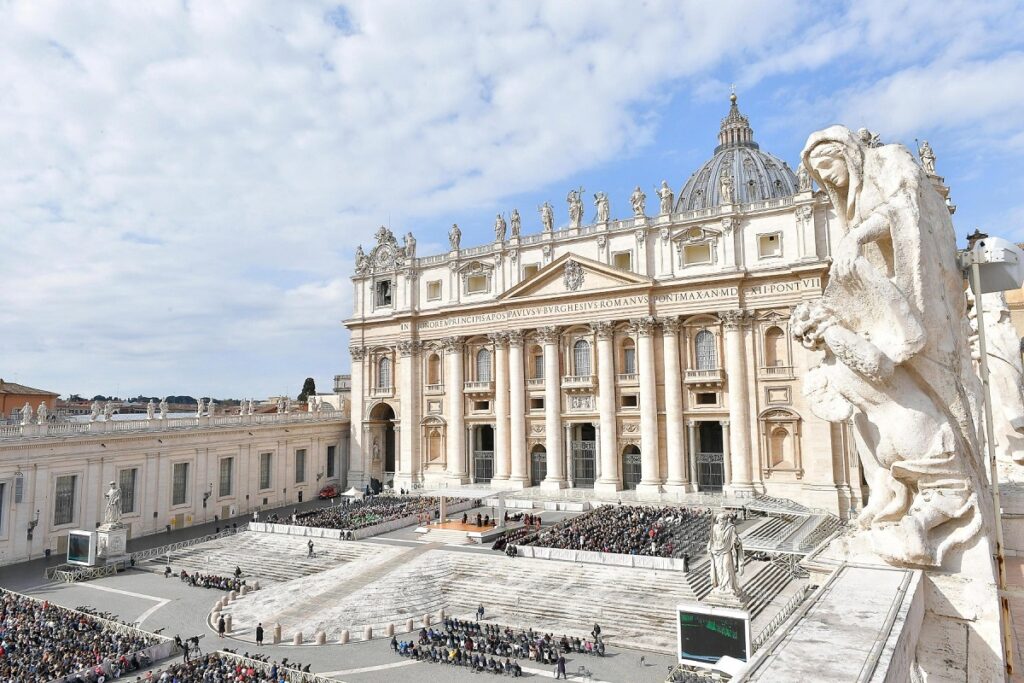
(384, 257)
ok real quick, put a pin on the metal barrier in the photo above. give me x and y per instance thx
(785, 613)
(181, 545)
(293, 675)
(70, 573)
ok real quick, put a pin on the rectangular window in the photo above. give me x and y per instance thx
(476, 284)
(630, 401)
(769, 245)
(227, 466)
(19, 487)
(179, 484)
(695, 254)
(433, 406)
(536, 404)
(266, 459)
(707, 399)
(623, 260)
(300, 466)
(629, 361)
(434, 290)
(382, 290)
(530, 270)
(127, 479)
(64, 500)
(330, 461)
(538, 366)
(481, 406)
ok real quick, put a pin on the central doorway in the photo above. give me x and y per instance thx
(584, 449)
(630, 467)
(538, 465)
(382, 445)
(710, 459)
(483, 453)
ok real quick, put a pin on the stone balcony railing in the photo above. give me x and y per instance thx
(382, 392)
(534, 382)
(710, 376)
(478, 387)
(157, 424)
(628, 378)
(776, 371)
(578, 381)
(433, 389)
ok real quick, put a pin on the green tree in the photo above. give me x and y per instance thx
(308, 389)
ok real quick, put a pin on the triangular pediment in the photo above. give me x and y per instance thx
(572, 274)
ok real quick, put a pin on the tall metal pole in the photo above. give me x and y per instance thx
(1005, 624)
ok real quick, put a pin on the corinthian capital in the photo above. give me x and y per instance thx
(515, 338)
(547, 335)
(408, 347)
(735, 319)
(670, 325)
(643, 327)
(499, 339)
(453, 344)
(603, 329)
(358, 352)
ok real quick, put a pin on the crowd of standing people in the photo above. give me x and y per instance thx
(371, 511)
(40, 641)
(631, 530)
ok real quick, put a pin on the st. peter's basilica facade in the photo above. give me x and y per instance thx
(648, 352)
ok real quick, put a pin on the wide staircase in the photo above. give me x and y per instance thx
(446, 537)
(268, 558)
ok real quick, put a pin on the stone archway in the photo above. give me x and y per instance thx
(382, 456)
(631, 473)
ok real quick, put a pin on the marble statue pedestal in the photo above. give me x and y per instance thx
(733, 600)
(111, 543)
(611, 486)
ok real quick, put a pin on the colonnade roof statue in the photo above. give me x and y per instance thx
(897, 360)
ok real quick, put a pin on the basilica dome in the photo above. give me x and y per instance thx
(752, 175)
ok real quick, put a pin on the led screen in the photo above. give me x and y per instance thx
(79, 546)
(708, 637)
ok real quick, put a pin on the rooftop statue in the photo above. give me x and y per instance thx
(927, 157)
(575, 207)
(726, 189)
(601, 202)
(199, 408)
(517, 224)
(454, 237)
(26, 414)
(94, 412)
(667, 198)
(893, 361)
(803, 179)
(41, 413)
(638, 200)
(163, 409)
(499, 228)
(361, 262)
(150, 410)
(409, 244)
(547, 217)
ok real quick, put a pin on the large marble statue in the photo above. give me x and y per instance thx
(1006, 379)
(150, 410)
(575, 207)
(361, 261)
(547, 217)
(803, 179)
(163, 408)
(726, 188)
(927, 157)
(112, 511)
(666, 197)
(211, 409)
(94, 412)
(108, 411)
(638, 200)
(726, 554)
(42, 413)
(893, 361)
(248, 407)
(199, 408)
(517, 224)
(454, 237)
(26, 414)
(499, 228)
(601, 202)
(409, 245)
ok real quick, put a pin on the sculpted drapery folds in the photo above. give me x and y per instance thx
(896, 357)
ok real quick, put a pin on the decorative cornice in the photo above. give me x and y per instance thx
(547, 335)
(735, 319)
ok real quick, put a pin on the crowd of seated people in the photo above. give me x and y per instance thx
(369, 512)
(491, 647)
(223, 583)
(40, 641)
(631, 530)
(216, 667)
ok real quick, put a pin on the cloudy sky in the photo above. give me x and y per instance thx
(182, 184)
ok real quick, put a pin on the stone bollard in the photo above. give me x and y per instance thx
(408, 625)
(344, 638)
(245, 590)
(426, 621)
(297, 638)
(321, 638)
(227, 623)
(277, 633)
(390, 630)
(255, 585)
(368, 633)
(234, 595)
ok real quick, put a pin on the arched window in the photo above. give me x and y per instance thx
(581, 357)
(434, 369)
(384, 373)
(483, 365)
(537, 362)
(707, 354)
(777, 446)
(628, 357)
(774, 350)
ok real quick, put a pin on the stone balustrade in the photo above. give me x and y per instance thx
(157, 424)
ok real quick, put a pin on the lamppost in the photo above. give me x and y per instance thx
(206, 496)
(993, 264)
(32, 524)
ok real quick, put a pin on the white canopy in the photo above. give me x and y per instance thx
(353, 493)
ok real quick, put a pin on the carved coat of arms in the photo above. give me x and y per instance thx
(573, 275)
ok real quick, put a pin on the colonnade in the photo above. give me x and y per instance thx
(509, 413)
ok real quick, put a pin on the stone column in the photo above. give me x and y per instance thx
(691, 443)
(501, 418)
(517, 410)
(650, 471)
(357, 469)
(609, 478)
(677, 474)
(735, 323)
(727, 451)
(552, 409)
(455, 407)
(409, 466)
